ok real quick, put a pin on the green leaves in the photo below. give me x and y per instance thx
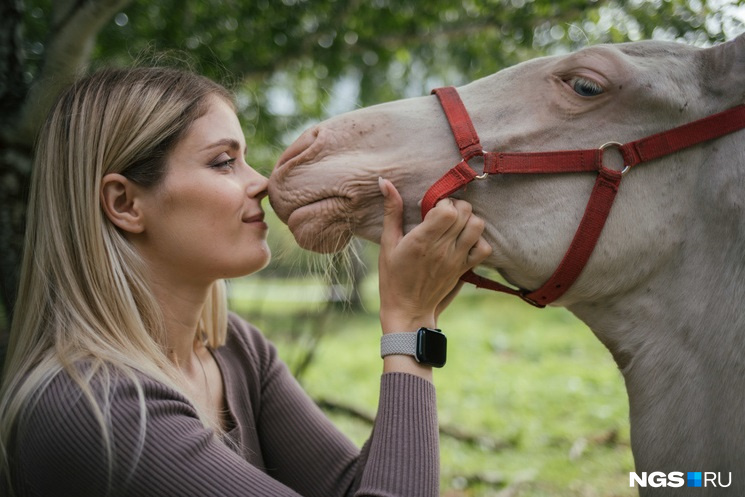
(322, 57)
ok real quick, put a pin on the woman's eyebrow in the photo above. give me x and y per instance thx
(225, 142)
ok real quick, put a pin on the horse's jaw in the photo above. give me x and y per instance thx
(325, 185)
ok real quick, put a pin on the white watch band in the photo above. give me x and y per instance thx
(398, 344)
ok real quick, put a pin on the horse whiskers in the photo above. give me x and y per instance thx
(297, 262)
(341, 269)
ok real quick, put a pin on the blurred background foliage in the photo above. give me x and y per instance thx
(531, 403)
(297, 61)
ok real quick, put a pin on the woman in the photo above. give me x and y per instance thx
(126, 374)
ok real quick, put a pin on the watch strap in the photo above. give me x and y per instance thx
(398, 344)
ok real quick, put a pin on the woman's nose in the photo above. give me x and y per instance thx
(256, 185)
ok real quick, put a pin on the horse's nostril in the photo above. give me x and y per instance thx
(303, 142)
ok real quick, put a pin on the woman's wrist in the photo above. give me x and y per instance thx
(406, 364)
(403, 322)
(406, 322)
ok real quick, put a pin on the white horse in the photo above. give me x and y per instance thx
(664, 289)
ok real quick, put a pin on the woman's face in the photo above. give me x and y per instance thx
(205, 221)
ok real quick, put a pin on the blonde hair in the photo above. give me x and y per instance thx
(84, 298)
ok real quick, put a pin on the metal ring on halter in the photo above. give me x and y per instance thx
(618, 146)
(465, 160)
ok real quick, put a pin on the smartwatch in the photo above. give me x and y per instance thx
(427, 345)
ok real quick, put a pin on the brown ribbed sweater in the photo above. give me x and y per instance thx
(277, 443)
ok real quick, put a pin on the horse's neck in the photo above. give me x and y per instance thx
(679, 340)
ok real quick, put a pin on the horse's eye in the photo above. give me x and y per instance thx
(585, 87)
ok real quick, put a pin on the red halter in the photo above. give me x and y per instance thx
(568, 161)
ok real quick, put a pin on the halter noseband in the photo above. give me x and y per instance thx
(567, 161)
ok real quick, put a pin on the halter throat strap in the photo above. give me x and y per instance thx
(566, 161)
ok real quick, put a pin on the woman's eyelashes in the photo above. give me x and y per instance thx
(223, 161)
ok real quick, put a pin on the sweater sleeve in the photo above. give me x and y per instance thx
(304, 450)
(401, 458)
(404, 450)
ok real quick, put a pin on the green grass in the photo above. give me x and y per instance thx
(536, 385)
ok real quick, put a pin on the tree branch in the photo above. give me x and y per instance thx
(474, 439)
(67, 55)
(12, 86)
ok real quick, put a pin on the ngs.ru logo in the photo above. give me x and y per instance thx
(678, 479)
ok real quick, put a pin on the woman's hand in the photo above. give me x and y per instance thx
(419, 272)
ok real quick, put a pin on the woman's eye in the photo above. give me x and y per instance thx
(585, 87)
(223, 164)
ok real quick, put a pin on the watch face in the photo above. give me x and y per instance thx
(431, 347)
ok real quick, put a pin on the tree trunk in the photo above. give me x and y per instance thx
(15, 161)
(74, 25)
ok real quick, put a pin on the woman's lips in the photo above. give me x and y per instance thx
(259, 217)
(256, 219)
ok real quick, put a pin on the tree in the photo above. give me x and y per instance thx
(294, 61)
(27, 89)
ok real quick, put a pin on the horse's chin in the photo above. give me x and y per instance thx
(320, 227)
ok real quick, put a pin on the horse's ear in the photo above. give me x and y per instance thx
(724, 69)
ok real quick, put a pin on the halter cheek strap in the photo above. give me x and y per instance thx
(567, 161)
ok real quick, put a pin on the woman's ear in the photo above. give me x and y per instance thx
(120, 202)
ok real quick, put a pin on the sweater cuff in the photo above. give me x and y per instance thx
(404, 457)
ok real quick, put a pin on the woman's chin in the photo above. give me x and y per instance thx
(254, 264)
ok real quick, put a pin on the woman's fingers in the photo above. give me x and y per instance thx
(471, 243)
(435, 253)
(469, 234)
(464, 214)
(444, 221)
(463, 233)
(478, 253)
(438, 220)
(452, 234)
(392, 214)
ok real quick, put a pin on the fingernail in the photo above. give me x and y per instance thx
(383, 187)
